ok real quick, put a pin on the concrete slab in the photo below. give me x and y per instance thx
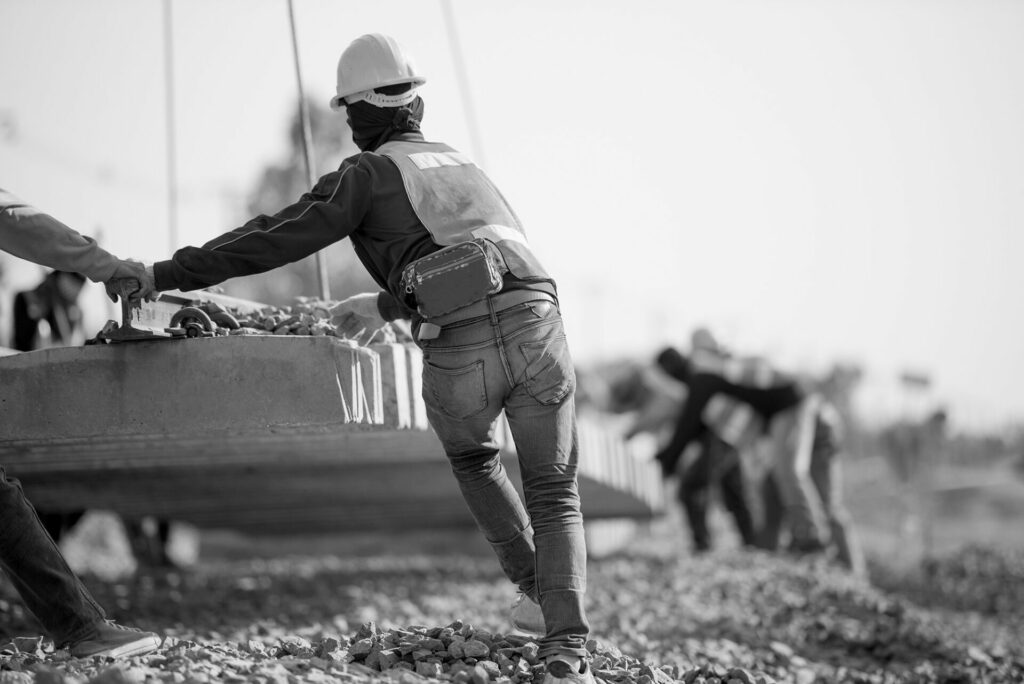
(199, 387)
(363, 478)
(395, 386)
(271, 434)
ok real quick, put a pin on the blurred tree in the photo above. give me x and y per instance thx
(282, 184)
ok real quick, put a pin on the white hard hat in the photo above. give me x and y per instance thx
(374, 61)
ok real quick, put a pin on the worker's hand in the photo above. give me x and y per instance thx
(357, 315)
(127, 278)
(147, 286)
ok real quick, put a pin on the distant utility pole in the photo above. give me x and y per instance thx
(307, 152)
(172, 145)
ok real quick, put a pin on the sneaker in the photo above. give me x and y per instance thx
(112, 640)
(568, 670)
(526, 615)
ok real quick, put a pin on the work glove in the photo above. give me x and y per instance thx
(357, 315)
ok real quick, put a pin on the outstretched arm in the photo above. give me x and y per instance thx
(330, 212)
(31, 234)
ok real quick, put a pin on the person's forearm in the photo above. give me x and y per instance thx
(30, 234)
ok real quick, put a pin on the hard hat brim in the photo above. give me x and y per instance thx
(337, 102)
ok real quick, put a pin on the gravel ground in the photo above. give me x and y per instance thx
(658, 614)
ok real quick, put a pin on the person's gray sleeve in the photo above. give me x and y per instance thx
(30, 234)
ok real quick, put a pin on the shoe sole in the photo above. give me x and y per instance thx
(132, 648)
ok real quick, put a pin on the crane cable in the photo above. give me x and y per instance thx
(307, 151)
(463, 78)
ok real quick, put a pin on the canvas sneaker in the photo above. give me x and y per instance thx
(568, 670)
(111, 640)
(526, 615)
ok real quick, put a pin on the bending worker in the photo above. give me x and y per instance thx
(783, 407)
(29, 556)
(448, 252)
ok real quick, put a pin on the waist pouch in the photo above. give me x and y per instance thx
(453, 277)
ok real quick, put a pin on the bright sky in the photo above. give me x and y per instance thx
(813, 179)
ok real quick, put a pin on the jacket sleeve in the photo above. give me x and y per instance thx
(30, 234)
(328, 213)
(390, 308)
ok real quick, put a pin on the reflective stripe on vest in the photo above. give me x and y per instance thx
(457, 202)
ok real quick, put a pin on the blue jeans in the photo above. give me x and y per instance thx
(37, 569)
(517, 360)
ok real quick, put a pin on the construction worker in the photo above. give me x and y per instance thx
(655, 402)
(450, 254)
(29, 556)
(782, 405)
(826, 474)
(729, 429)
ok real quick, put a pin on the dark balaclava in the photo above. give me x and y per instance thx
(372, 126)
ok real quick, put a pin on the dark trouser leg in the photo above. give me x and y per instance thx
(734, 496)
(774, 510)
(36, 568)
(827, 476)
(695, 497)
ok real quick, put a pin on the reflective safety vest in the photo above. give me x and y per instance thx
(456, 202)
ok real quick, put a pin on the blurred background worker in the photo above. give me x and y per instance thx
(728, 432)
(490, 330)
(29, 556)
(826, 474)
(781, 405)
(49, 315)
(710, 464)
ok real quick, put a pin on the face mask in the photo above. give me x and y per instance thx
(372, 126)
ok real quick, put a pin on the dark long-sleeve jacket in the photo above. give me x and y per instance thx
(365, 200)
(703, 387)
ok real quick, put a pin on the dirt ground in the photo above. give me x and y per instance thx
(332, 608)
